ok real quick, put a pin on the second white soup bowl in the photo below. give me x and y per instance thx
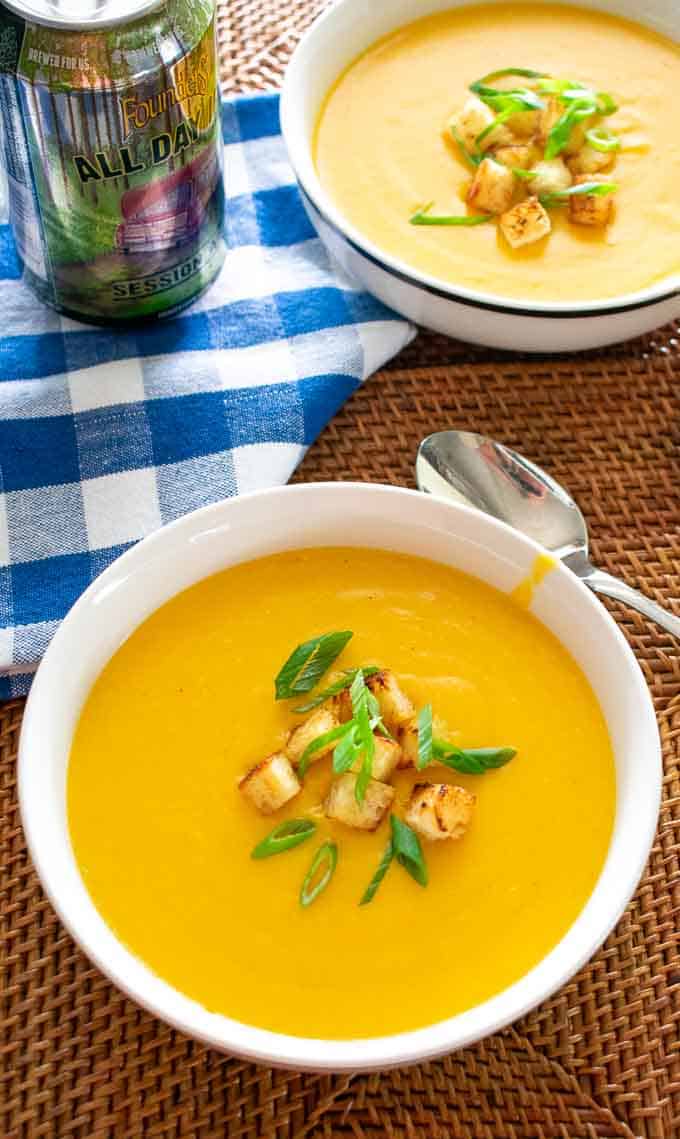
(342, 33)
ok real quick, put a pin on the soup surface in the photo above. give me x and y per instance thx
(381, 150)
(163, 836)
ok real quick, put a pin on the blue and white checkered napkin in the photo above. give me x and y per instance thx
(106, 435)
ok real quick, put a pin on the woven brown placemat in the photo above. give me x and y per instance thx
(602, 1058)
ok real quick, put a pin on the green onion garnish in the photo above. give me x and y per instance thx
(471, 761)
(602, 139)
(423, 217)
(598, 189)
(513, 102)
(308, 662)
(472, 159)
(606, 105)
(383, 866)
(359, 693)
(424, 737)
(407, 850)
(319, 874)
(284, 837)
(320, 742)
(333, 689)
(560, 133)
(348, 750)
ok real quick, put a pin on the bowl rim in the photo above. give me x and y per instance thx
(277, 1049)
(299, 149)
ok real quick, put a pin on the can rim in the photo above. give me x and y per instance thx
(29, 10)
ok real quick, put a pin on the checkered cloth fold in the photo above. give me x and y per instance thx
(106, 435)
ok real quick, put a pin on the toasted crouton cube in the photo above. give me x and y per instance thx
(395, 706)
(519, 156)
(407, 735)
(341, 803)
(270, 783)
(523, 124)
(475, 117)
(551, 175)
(321, 721)
(525, 223)
(590, 209)
(492, 187)
(439, 810)
(547, 118)
(385, 760)
(342, 706)
(591, 161)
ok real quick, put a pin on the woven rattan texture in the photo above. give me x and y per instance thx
(602, 1058)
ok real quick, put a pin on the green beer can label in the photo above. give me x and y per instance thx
(113, 156)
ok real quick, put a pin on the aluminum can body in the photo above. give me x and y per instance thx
(111, 147)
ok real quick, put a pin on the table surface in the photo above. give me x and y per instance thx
(602, 1057)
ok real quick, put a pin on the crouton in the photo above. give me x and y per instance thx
(407, 737)
(342, 706)
(475, 117)
(439, 810)
(385, 761)
(590, 209)
(523, 124)
(270, 783)
(525, 223)
(492, 187)
(591, 161)
(547, 118)
(551, 175)
(321, 721)
(341, 803)
(519, 156)
(395, 707)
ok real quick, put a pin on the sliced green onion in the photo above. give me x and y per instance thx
(525, 175)
(284, 837)
(367, 743)
(560, 133)
(424, 737)
(319, 874)
(347, 750)
(320, 742)
(551, 86)
(407, 850)
(333, 689)
(606, 105)
(498, 121)
(471, 761)
(597, 189)
(308, 662)
(422, 217)
(383, 866)
(472, 159)
(602, 139)
(515, 101)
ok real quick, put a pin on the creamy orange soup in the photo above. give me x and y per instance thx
(381, 149)
(163, 836)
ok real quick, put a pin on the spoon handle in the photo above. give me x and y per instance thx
(604, 583)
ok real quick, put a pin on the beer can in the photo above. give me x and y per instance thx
(111, 140)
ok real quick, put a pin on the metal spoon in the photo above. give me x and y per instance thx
(470, 468)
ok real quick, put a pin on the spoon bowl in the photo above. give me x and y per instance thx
(466, 467)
